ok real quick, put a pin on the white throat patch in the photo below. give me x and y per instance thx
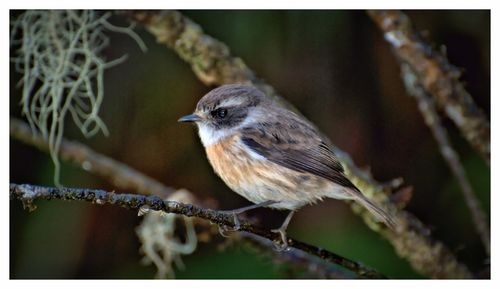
(210, 136)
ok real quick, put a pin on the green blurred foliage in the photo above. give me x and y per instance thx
(213, 264)
(336, 68)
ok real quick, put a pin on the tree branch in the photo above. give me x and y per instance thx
(427, 107)
(28, 193)
(212, 62)
(437, 76)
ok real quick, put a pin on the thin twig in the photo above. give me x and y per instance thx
(29, 193)
(431, 117)
(127, 178)
(212, 62)
(437, 76)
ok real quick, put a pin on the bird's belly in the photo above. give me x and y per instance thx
(258, 179)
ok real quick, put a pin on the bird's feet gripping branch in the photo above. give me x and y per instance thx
(280, 244)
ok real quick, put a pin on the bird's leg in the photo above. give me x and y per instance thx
(282, 231)
(236, 212)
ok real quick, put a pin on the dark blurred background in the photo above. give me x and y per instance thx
(336, 68)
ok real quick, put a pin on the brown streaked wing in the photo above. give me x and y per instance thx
(296, 146)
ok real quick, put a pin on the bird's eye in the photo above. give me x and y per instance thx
(219, 113)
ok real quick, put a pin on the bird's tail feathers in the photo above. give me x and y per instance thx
(378, 212)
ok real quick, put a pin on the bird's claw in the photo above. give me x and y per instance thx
(224, 228)
(282, 244)
(237, 224)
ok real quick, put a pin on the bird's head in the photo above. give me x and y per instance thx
(225, 109)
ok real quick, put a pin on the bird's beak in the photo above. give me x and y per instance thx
(190, 118)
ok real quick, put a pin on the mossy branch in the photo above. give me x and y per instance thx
(428, 109)
(435, 83)
(29, 193)
(437, 76)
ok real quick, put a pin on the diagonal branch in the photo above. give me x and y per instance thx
(29, 193)
(118, 173)
(431, 117)
(432, 80)
(212, 62)
(437, 76)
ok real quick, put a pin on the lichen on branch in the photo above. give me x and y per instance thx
(59, 54)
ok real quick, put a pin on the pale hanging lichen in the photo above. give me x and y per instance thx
(160, 244)
(59, 54)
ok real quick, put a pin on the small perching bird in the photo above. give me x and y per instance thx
(269, 154)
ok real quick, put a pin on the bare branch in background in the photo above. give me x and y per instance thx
(29, 193)
(431, 117)
(212, 62)
(431, 79)
(119, 174)
(437, 76)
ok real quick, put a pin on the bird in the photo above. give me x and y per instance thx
(271, 155)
